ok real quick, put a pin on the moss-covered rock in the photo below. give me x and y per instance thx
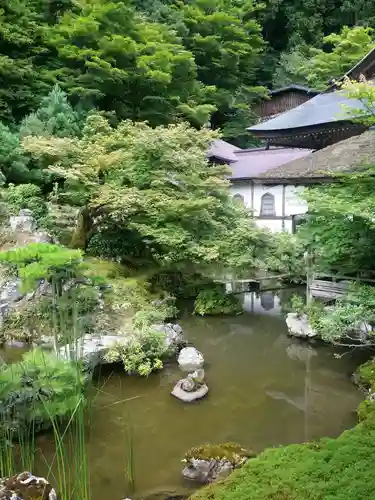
(365, 375)
(214, 300)
(232, 452)
(366, 410)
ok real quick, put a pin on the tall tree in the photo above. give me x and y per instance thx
(112, 57)
(55, 116)
(226, 41)
(147, 194)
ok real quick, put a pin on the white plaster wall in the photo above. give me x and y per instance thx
(294, 205)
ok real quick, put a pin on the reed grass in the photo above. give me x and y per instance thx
(68, 470)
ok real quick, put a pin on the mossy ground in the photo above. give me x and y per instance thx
(330, 469)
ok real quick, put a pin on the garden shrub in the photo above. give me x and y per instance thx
(37, 391)
(140, 354)
(213, 300)
(25, 196)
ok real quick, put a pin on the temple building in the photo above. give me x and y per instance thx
(304, 142)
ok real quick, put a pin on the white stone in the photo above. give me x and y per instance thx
(190, 359)
(90, 349)
(24, 222)
(298, 326)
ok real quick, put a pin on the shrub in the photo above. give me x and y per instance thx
(141, 354)
(25, 196)
(214, 300)
(37, 391)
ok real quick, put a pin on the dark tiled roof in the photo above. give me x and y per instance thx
(323, 108)
(340, 157)
(254, 163)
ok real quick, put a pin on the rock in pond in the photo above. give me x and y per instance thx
(298, 326)
(91, 348)
(174, 335)
(207, 471)
(26, 486)
(190, 359)
(205, 464)
(191, 388)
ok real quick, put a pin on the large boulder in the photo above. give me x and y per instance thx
(174, 335)
(26, 486)
(190, 359)
(90, 349)
(207, 471)
(298, 326)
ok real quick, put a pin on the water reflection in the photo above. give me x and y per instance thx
(265, 389)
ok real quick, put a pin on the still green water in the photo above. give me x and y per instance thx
(265, 390)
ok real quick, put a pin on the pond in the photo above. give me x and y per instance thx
(266, 389)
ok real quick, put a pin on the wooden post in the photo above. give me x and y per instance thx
(309, 276)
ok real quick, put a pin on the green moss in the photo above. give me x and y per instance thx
(328, 469)
(231, 451)
(365, 375)
(366, 410)
(338, 469)
(214, 300)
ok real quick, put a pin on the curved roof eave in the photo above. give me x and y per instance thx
(321, 109)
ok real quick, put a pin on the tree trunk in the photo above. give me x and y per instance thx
(83, 230)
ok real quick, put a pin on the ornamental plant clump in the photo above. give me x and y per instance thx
(141, 354)
(37, 391)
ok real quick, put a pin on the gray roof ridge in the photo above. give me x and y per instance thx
(294, 86)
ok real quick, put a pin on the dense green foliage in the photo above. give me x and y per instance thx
(24, 196)
(160, 61)
(43, 261)
(39, 389)
(317, 66)
(141, 354)
(147, 195)
(213, 300)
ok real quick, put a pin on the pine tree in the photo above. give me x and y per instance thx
(55, 116)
